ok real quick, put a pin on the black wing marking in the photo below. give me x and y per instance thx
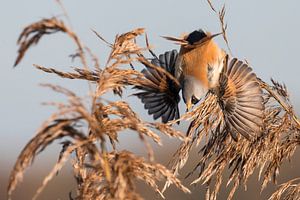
(161, 97)
(241, 100)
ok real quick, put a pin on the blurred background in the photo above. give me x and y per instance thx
(266, 33)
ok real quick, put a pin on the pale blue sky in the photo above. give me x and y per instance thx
(266, 33)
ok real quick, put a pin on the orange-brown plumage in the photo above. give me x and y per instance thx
(201, 67)
(197, 60)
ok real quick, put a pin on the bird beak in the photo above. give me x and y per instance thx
(188, 106)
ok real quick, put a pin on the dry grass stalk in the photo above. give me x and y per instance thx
(32, 34)
(288, 190)
(99, 174)
(102, 174)
(279, 140)
(221, 16)
(125, 169)
(79, 73)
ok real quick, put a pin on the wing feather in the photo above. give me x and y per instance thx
(241, 100)
(161, 95)
(161, 111)
(150, 76)
(166, 115)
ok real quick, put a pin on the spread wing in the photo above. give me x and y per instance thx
(241, 100)
(161, 97)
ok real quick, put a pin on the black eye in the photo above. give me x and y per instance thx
(194, 100)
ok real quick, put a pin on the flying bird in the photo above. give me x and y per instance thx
(200, 67)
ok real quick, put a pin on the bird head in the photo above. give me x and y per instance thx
(192, 40)
(192, 91)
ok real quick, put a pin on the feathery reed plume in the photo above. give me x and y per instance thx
(278, 142)
(219, 152)
(221, 16)
(90, 129)
(288, 190)
(100, 174)
(32, 34)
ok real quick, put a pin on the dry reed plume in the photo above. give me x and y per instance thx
(90, 129)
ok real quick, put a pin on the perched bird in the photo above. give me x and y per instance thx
(201, 67)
